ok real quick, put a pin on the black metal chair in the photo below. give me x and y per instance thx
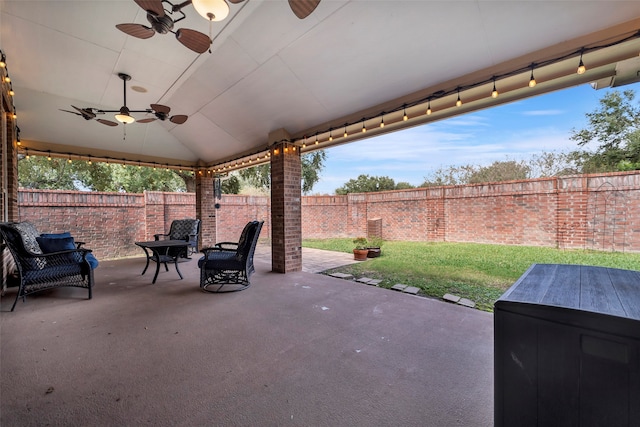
(37, 271)
(227, 266)
(183, 229)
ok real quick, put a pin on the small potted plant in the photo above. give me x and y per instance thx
(374, 245)
(360, 250)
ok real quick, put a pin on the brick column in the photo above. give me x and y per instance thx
(286, 218)
(205, 210)
(8, 154)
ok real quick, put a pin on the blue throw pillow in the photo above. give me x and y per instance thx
(56, 235)
(57, 244)
(93, 261)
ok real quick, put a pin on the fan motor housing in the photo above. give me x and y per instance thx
(160, 24)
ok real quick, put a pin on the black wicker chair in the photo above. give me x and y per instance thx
(183, 229)
(39, 271)
(227, 266)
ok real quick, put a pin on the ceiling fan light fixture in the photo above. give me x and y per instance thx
(211, 10)
(124, 116)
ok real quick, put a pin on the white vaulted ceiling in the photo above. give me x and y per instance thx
(269, 70)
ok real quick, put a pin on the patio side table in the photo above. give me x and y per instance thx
(159, 252)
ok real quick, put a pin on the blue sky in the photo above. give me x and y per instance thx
(509, 132)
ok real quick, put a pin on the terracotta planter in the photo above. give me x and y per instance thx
(373, 252)
(360, 254)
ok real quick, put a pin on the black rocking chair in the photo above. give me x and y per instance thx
(227, 266)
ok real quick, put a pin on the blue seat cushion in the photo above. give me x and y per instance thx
(58, 243)
(223, 260)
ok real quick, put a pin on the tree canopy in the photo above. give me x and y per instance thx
(615, 128)
(366, 184)
(312, 165)
(59, 174)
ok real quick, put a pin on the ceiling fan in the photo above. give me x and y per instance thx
(162, 22)
(89, 114)
(124, 116)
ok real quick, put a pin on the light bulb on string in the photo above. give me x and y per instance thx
(405, 117)
(382, 121)
(532, 80)
(330, 135)
(364, 129)
(458, 101)
(494, 93)
(429, 108)
(581, 68)
(345, 131)
(316, 138)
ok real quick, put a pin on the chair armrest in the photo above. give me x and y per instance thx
(227, 246)
(157, 236)
(215, 249)
(79, 244)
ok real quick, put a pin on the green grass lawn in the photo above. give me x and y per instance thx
(478, 272)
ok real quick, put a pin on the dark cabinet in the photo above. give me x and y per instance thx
(567, 348)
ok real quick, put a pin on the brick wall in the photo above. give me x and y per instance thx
(600, 212)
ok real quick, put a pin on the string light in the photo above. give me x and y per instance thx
(304, 143)
(316, 138)
(429, 108)
(382, 121)
(532, 80)
(459, 101)
(330, 135)
(364, 129)
(49, 156)
(345, 131)
(405, 117)
(494, 93)
(581, 68)
(27, 156)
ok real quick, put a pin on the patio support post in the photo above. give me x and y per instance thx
(205, 209)
(286, 196)
(8, 154)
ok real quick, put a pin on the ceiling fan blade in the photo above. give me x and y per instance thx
(179, 119)
(85, 112)
(158, 108)
(107, 122)
(148, 120)
(68, 111)
(151, 6)
(303, 8)
(194, 40)
(136, 30)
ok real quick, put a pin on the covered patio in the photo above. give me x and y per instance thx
(271, 86)
(300, 349)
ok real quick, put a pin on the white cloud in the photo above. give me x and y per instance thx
(543, 112)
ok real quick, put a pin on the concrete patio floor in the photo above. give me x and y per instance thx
(299, 349)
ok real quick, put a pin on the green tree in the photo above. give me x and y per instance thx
(500, 171)
(311, 163)
(60, 174)
(615, 128)
(39, 173)
(366, 184)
